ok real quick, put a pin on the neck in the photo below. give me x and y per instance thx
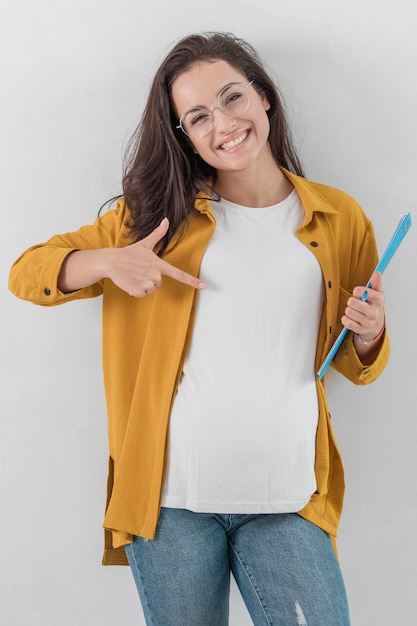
(261, 188)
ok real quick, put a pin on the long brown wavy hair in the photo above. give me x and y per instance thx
(162, 174)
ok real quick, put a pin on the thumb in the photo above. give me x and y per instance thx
(156, 235)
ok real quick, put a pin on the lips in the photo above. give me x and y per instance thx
(228, 145)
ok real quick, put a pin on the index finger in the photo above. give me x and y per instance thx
(173, 272)
(374, 284)
(376, 281)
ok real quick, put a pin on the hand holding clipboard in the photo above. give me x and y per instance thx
(399, 234)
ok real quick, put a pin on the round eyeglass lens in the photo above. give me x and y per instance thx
(233, 100)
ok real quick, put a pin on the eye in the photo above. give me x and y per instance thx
(199, 118)
(232, 97)
(233, 100)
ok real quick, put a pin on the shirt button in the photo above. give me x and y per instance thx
(47, 291)
(313, 244)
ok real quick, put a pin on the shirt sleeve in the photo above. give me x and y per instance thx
(349, 364)
(347, 361)
(34, 275)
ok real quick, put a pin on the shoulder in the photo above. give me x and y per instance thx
(332, 210)
(329, 191)
(115, 222)
(321, 198)
(336, 197)
(346, 211)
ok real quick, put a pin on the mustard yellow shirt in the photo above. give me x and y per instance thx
(145, 342)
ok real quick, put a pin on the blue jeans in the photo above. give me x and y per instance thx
(284, 566)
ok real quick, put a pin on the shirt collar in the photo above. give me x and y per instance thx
(311, 198)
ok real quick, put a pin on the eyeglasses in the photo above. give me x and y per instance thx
(233, 100)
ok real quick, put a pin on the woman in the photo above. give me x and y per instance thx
(226, 277)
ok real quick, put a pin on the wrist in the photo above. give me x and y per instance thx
(368, 342)
(103, 262)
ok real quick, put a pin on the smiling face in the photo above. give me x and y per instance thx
(233, 143)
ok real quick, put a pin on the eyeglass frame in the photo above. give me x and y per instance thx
(210, 111)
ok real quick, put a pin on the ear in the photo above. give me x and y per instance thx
(265, 102)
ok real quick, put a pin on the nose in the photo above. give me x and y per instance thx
(221, 119)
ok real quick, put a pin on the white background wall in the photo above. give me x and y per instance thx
(74, 77)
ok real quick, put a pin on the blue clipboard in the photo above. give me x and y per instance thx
(400, 232)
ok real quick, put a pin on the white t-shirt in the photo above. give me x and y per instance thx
(243, 423)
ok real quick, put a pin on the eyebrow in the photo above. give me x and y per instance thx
(235, 82)
(198, 107)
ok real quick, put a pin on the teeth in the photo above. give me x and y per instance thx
(234, 143)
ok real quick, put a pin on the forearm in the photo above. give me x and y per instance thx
(365, 316)
(63, 269)
(83, 268)
(368, 353)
